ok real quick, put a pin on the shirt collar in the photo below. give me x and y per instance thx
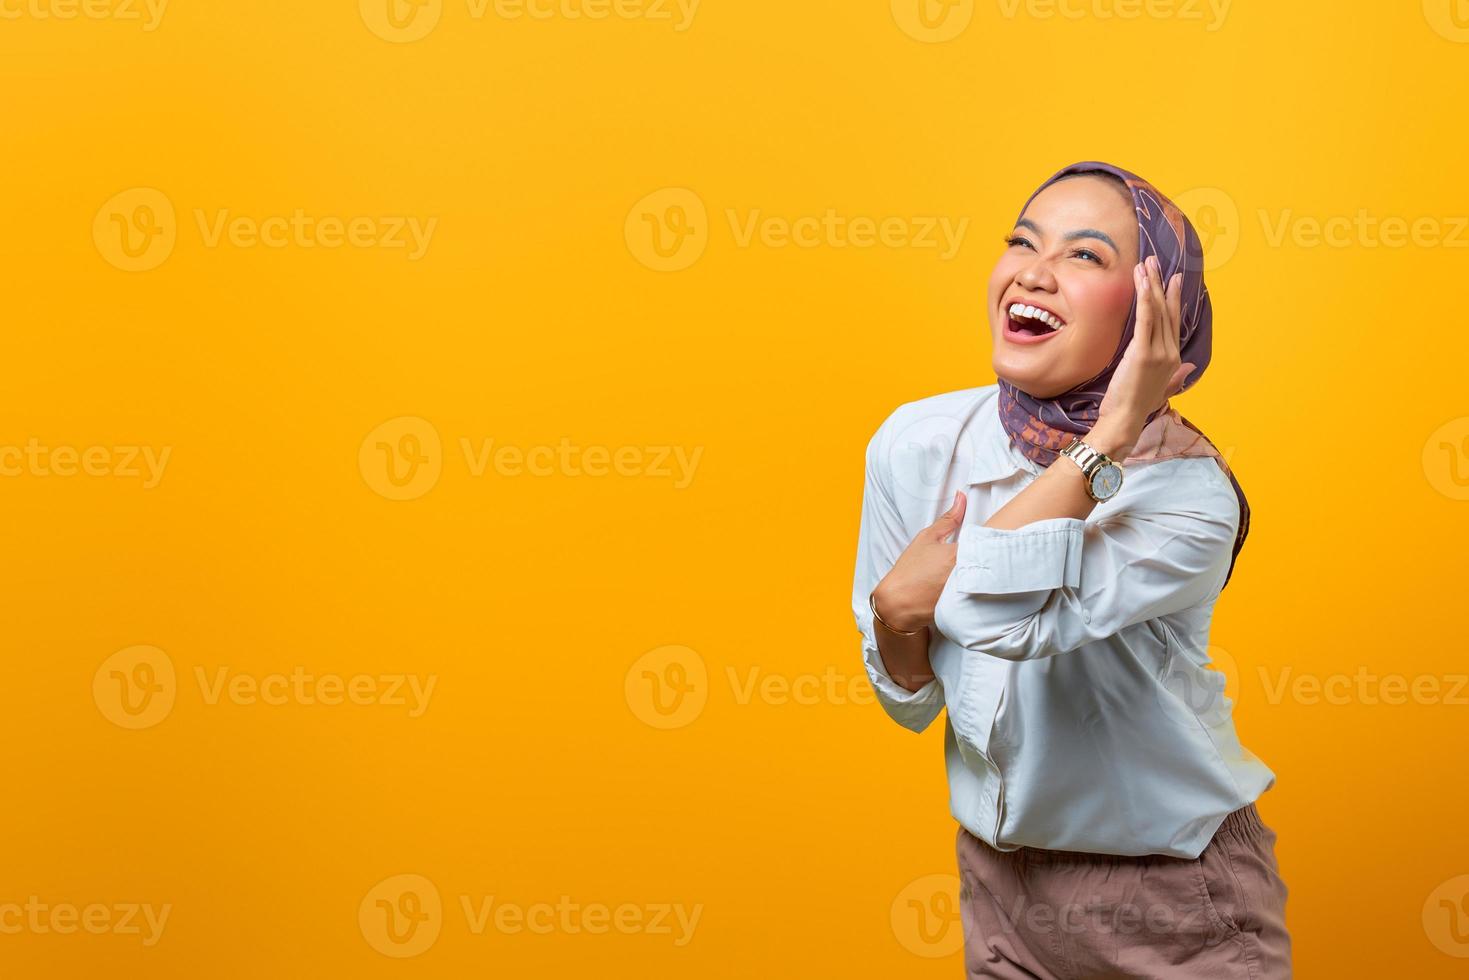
(994, 457)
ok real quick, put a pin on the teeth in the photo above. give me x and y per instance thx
(1031, 313)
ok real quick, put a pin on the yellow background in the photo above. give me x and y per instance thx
(800, 825)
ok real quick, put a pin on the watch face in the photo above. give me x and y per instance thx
(1107, 481)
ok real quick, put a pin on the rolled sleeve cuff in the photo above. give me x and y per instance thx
(912, 709)
(894, 693)
(1041, 556)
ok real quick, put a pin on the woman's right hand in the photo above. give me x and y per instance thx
(907, 595)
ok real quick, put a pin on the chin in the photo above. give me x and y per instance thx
(1035, 372)
(1033, 379)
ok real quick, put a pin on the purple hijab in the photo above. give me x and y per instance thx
(1041, 427)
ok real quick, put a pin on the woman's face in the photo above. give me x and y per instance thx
(1071, 254)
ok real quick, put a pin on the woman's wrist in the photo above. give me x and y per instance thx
(1114, 435)
(893, 612)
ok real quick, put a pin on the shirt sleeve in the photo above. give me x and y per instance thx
(1056, 584)
(881, 538)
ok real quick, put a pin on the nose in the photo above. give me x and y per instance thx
(1037, 276)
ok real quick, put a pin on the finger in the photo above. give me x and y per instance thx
(949, 514)
(1143, 330)
(951, 519)
(1159, 298)
(1175, 313)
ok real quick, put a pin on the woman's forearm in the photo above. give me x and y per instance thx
(904, 657)
(1060, 489)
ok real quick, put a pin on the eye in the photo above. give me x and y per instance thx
(1014, 240)
(1088, 254)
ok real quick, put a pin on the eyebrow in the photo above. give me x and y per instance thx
(1072, 236)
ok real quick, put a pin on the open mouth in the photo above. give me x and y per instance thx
(1032, 322)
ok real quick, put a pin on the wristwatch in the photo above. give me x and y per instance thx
(1103, 476)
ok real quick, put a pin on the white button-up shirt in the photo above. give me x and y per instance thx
(1070, 653)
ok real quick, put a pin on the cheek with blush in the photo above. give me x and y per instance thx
(1104, 308)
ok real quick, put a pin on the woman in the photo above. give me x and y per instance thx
(1042, 556)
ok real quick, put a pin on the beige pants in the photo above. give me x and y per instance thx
(1068, 915)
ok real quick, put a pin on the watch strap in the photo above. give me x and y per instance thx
(1089, 459)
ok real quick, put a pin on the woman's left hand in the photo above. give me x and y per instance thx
(1150, 371)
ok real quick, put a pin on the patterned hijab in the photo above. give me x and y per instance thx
(1041, 427)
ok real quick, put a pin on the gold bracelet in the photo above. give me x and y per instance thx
(872, 601)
